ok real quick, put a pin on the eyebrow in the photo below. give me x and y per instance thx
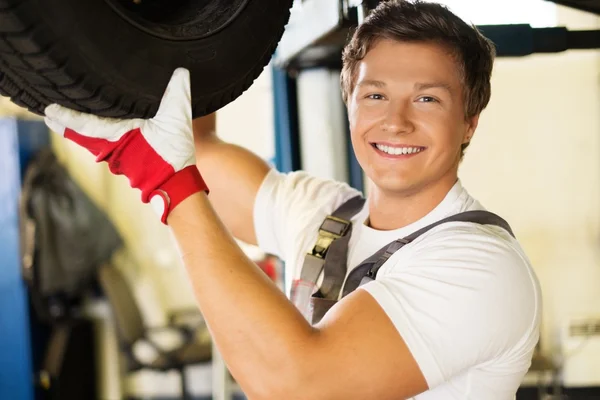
(418, 86)
(372, 82)
(434, 85)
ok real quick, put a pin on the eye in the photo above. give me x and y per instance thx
(428, 99)
(375, 96)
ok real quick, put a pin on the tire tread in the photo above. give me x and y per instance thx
(35, 74)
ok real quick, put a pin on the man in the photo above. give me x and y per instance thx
(453, 315)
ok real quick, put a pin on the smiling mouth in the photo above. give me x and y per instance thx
(398, 150)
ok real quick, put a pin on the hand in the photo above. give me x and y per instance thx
(157, 155)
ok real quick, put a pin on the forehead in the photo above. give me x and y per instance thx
(391, 60)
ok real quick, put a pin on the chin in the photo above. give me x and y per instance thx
(394, 185)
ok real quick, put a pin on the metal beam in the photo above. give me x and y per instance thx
(523, 40)
(592, 6)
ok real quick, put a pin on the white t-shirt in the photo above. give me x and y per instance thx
(463, 296)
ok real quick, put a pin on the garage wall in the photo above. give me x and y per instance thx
(535, 159)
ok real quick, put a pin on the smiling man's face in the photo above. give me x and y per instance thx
(407, 117)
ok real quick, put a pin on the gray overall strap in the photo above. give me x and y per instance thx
(331, 249)
(367, 270)
(335, 266)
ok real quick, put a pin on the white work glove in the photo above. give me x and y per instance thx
(157, 155)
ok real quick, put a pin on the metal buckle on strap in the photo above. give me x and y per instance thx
(331, 229)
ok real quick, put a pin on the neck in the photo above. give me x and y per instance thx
(395, 210)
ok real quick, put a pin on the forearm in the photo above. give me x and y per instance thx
(259, 332)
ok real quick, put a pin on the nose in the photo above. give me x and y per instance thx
(398, 119)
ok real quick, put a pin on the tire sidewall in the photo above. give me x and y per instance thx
(138, 65)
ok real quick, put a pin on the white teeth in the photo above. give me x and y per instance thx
(398, 150)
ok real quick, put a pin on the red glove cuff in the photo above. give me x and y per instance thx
(178, 188)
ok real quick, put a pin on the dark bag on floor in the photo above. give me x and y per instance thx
(65, 236)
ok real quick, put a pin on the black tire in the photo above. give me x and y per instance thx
(106, 58)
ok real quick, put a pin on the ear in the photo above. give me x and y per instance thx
(471, 127)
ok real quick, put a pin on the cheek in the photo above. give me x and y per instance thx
(360, 127)
(358, 130)
(442, 128)
(363, 118)
(353, 116)
(357, 139)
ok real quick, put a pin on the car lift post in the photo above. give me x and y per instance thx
(19, 140)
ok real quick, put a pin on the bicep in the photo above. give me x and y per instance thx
(360, 355)
(455, 314)
(421, 326)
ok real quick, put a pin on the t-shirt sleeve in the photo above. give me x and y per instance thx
(459, 300)
(287, 206)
